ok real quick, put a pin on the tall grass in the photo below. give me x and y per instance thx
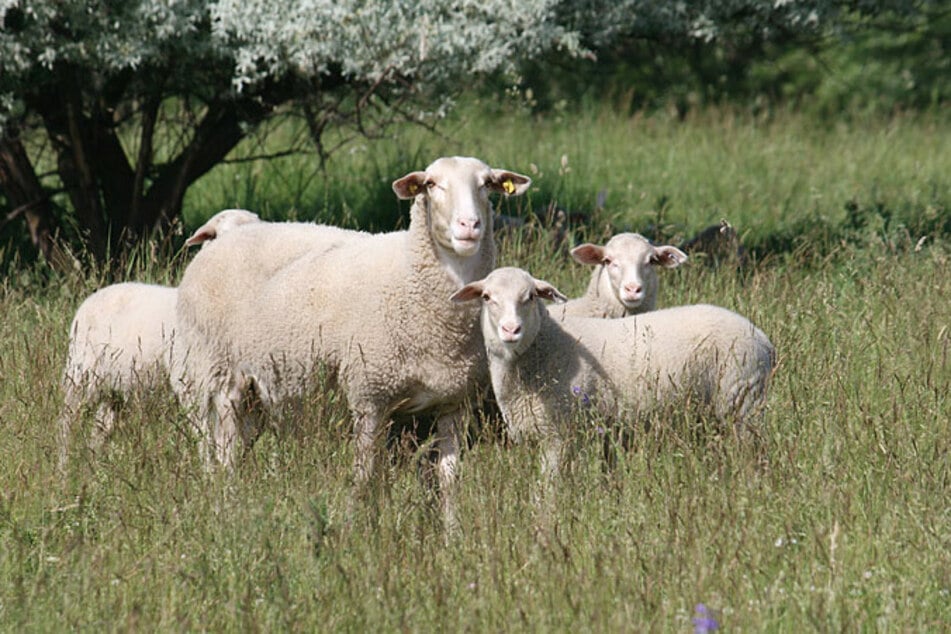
(774, 178)
(834, 515)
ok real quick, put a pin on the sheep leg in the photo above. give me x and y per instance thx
(222, 431)
(447, 467)
(365, 426)
(551, 460)
(231, 416)
(245, 397)
(105, 422)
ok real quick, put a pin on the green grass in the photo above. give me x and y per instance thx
(835, 515)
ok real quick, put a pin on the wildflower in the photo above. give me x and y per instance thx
(704, 622)
(577, 391)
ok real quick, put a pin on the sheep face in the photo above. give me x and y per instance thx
(630, 262)
(455, 193)
(221, 223)
(511, 312)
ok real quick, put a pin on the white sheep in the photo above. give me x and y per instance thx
(119, 342)
(542, 369)
(373, 310)
(624, 281)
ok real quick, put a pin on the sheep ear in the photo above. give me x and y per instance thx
(509, 183)
(202, 234)
(547, 291)
(470, 291)
(669, 257)
(410, 185)
(588, 254)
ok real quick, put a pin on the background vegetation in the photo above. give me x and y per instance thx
(834, 515)
(110, 112)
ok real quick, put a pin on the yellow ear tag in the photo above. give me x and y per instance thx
(413, 188)
(508, 186)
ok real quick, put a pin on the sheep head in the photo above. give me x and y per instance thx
(221, 223)
(511, 312)
(454, 191)
(630, 261)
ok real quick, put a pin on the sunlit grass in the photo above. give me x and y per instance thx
(833, 515)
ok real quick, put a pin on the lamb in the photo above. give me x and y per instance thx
(371, 310)
(543, 369)
(119, 342)
(624, 281)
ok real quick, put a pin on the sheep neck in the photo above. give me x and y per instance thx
(439, 275)
(447, 270)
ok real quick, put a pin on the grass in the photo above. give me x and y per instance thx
(836, 516)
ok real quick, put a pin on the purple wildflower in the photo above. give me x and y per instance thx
(577, 391)
(704, 621)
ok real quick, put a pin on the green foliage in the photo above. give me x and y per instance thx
(832, 513)
(881, 59)
(110, 111)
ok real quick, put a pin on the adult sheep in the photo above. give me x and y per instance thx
(624, 281)
(372, 310)
(543, 369)
(119, 342)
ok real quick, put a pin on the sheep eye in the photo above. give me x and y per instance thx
(429, 184)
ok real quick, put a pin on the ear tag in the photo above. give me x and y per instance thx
(413, 188)
(508, 186)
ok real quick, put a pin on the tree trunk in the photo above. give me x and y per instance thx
(26, 195)
(116, 204)
(118, 199)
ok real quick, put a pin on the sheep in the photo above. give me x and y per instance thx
(370, 310)
(624, 281)
(543, 369)
(119, 342)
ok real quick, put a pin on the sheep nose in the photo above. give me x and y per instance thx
(633, 289)
(469, 227)
(510, 332)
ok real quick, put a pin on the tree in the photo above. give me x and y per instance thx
(110, 109)
(832, 52)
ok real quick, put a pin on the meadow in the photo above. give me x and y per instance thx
(834, 514)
